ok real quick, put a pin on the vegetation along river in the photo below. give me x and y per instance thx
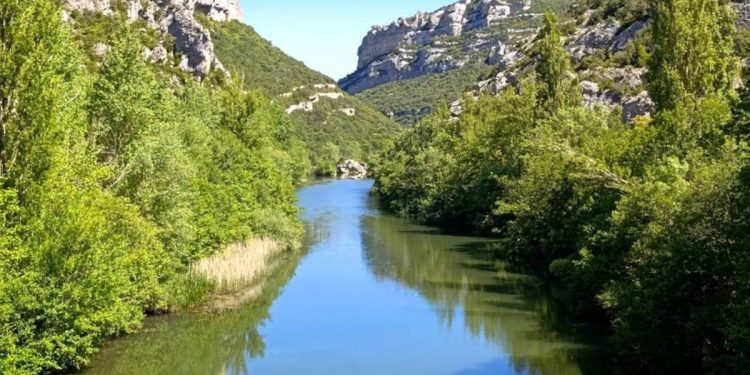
(372, 294)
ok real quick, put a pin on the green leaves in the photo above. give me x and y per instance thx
(643, 224)
(693, 51)
(112, 182)
(557, 89)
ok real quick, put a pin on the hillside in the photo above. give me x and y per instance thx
(333, 123)
(447, 51)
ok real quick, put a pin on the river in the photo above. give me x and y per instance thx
(372, 294)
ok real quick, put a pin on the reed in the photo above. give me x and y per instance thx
(239, 265)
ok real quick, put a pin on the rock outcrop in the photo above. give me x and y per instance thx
(500, 34)
(193, 48)
(309, 104)
(625, 85)
(351, 169)
(221, 10)
(412, 47)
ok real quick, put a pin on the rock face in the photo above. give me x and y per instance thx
(351, 169)
(412, 47)
(743, 13)
(192, 41)
(594, 38)
(221, 10)
(103, 6)
(627, 83)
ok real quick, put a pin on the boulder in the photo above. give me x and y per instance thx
(351, 112)
(159, 55)
(100, 50)
(351, 169)
(639, 105)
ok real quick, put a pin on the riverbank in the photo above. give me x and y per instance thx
(369, 293)
(237, 273)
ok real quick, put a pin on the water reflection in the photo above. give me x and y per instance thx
(373, 294)
(465, 285)
(196, 343)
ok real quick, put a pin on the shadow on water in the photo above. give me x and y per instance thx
(466, 285)
(198, 343)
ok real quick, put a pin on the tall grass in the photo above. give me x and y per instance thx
(239, 265)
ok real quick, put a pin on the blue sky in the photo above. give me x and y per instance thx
(325, 34)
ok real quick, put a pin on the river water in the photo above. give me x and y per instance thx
(372, 294)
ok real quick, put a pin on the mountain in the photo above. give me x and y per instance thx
(172, 32)
(610, 44)
(333, 123)
(205, 39)
(406, 67)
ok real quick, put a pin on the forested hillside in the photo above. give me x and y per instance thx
(641, 224)
(334, 124)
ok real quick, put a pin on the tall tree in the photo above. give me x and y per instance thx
(693, 50)
(557, 89)
(123, 101)
(38, 64)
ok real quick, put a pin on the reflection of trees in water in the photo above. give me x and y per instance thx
(198, 343)
(457, 274)
(318, 229)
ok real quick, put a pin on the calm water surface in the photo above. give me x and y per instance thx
(372, 294)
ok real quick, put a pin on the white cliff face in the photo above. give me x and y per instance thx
(193, 46)
(411, 47)
(103, 6)
(221, 10)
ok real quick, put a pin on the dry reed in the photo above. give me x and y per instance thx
(239, 265)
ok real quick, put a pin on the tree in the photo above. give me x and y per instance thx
(556, 87)
(693, 52)
(39, 80)
(123, 101)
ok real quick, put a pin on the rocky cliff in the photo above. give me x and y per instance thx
(430, 43)
(192, 44)
(605, 56)
(486, 45)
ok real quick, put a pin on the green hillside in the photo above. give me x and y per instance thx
(329, 131)
(263, 65)
(411, 99)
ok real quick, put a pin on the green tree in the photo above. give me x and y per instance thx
(39, 64)
(123, 101)
(78, 263)
(693, 53)
(556, 87)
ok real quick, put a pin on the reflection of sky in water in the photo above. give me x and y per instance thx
(353, 308)
(373, 295)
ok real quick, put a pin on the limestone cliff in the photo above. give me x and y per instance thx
(429, 43)
(486, 45)
(193, 47)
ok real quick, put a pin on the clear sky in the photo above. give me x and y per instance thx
(325, 34)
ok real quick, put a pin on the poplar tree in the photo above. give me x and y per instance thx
(693, 51)
(557, 89)
(39, 64)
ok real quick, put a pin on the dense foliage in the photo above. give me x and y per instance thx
(113, 179)
(328, 131)
(642, 223)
